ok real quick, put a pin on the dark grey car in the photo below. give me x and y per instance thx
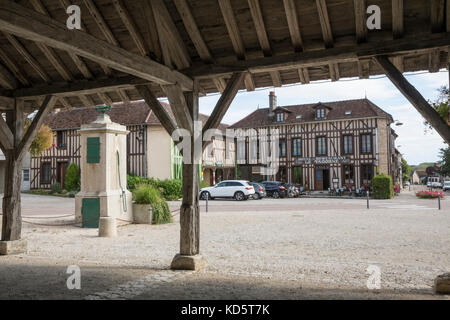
(260, 191)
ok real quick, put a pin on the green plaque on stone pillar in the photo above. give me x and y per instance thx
(90, 212)
(93, 150)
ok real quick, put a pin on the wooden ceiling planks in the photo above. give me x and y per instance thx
(225, 32)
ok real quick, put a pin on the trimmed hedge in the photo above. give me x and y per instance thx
(383, 187)
(73, 177)
(148, 194)
(171, 190)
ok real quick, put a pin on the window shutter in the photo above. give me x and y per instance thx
(93, 150)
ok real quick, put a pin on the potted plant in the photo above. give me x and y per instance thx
(149, 207)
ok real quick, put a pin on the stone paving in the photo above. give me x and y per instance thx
(267, 249)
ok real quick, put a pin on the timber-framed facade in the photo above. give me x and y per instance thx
(323, 145)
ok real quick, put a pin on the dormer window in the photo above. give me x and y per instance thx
(280, 117)
(321, 113)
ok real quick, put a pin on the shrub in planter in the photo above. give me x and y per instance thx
(148, 194)
(73, 177)
(383, 187)
(171, 189)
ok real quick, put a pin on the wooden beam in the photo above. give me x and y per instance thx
(448, 17)
(415, 98)
(6, 136)
(13, 67)
(417, 45)
(276, 78)
(397, 19)
(175, 43)
(327, 34)
(434, 61)
(249, 83)
(294, 29)
(157, 108)
(364, 68)
(232, 27)
(398, 63)
(152, 32)
(334, 71)
(437, 15)
(101, 23)
(303, 75)
(131, 26)
(7, 80)
(31, 25)
(28, 57)
(224, 102)
(30, 134)
(179, 107)
(220, 84)
(74, 88)
(360, 20)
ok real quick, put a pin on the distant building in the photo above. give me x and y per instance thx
(150, 150)
(25, 172)
(323, 145)
(418, 176)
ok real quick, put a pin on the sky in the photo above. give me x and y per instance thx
(415, 145)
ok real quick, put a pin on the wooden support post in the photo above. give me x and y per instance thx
(189, 257)
(414, 96)
(12, 221)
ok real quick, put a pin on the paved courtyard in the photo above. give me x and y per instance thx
(269, 249)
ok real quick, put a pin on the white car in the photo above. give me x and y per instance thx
(446, 185)
(237, 189)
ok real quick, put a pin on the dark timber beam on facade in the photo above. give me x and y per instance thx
(34, 26)
(403, 46)
(414, 96)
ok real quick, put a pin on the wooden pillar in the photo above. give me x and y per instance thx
(189, 257)
(11, 207)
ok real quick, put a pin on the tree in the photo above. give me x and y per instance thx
(406, 170)
(445, 161)
(43, 140)
(441, 105)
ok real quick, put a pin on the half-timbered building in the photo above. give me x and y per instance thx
(151, 151)
(321, 145)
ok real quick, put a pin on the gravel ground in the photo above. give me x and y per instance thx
(267, 249)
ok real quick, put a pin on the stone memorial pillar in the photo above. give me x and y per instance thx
(103, 173)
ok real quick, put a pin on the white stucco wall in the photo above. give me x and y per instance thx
(158, 153)
(25, 166)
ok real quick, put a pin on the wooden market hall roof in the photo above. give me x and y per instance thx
(159, 42)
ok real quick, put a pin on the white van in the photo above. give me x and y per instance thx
(434, 182)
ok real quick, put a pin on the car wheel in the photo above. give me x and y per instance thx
(239, 196)
(205, 195)
(276, 195)
(256, 196)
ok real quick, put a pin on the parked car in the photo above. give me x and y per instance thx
(446, 186)
(238, 189)
(260, 191)
(275, 189)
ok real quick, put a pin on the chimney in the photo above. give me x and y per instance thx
(272, 103)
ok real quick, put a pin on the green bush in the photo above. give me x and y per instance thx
(73, 177)
(55, 188)
(383, 187)
(204, 184)
(170, 189)
(148, 194)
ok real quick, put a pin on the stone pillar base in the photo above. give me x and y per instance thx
(194, 263)
(442, 284)
(13, 247)
(107, 227)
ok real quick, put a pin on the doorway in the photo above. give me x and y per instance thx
(322, 178)
(61, 173)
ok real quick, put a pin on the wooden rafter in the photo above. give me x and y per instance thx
(153, 38)
(179, 107)
(397, 19)
(6, 135)
(364, 68)
(415, 98)
(296, 37)
(236, 39)
(31, 25)
(14, 68)
(352, 53)
(7, 80)
(437, 15)
(327, 35)
(360, 20)
(258, 21)
(434, 60)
